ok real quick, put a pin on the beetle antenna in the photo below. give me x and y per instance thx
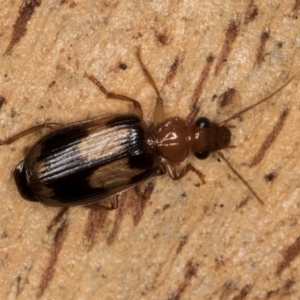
(240, 177)
(257, 103)
(147, 73)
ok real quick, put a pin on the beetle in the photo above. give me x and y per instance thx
(92, 160)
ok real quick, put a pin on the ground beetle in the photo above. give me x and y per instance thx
(88, 161)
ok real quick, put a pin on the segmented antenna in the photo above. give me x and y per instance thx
(255, 104)
(220, 153)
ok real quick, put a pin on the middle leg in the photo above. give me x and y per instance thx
(137, 109)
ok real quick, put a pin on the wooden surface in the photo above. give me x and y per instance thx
(167, 240)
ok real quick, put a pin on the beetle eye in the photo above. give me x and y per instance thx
(203, 122)
(202, 155)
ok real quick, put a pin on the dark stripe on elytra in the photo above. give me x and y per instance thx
(60, 144)
(138, 151)
(57, 140)
(136, 146)
(75, 189)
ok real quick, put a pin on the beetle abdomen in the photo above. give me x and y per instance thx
(83, 163)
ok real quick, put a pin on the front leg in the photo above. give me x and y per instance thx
(176, 172)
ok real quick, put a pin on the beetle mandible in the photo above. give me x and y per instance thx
(92, 160)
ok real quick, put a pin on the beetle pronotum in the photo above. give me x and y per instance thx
(91, 160)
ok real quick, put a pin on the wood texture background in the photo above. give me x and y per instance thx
(168, 240)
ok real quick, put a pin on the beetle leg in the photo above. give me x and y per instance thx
(177, 172)
(137, 109)
(159, 112)
(113, 204)
(28, 131)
